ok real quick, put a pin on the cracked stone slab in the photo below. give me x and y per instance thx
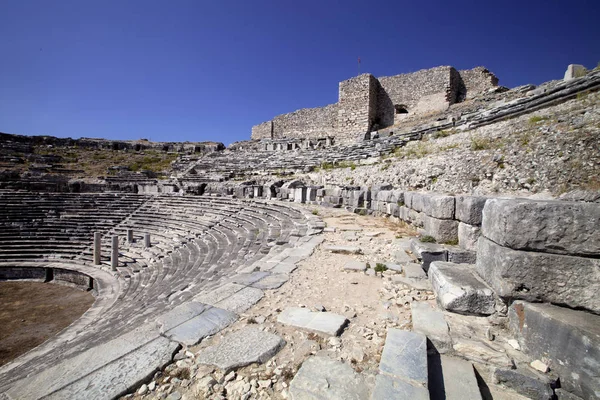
(452, 378)
(419, 284)
(284, 267)
(244, 347)
(191, 322)
(321, 322)
(249, 278)
(272, 281)
(459, 290)
(404, 356)
(105, 371)
(431, 322)
(327, 379)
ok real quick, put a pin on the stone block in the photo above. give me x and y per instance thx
(574, 71)
(526, 384)
(324, 378)
(428, 252)
(397, 197)
(300, 195)
(320, 322)
(355, 265)
(404, 356)
(460, 256)
(534, 276)
(468, 236)
(431, 323)
(416, 202)
(438, 206)
(246, 346)
(570, 339)
(452, 378)
(549, 226)
(387, 387)
(468, 209)
(459, 290)
(443, 230)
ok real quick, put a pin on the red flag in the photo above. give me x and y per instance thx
(359, 60)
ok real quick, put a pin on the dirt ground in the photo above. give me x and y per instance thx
(32, 312)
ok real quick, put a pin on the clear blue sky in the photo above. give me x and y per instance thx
(208, 70)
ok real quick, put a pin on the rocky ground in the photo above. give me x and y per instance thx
(556, 149)
(371, 301)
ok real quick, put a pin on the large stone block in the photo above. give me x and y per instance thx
(569, 339)
(428, 252)
(574, 71)
(431, 323)
(544, 225)
(459, 290)
(416, 202)
(468, 236)
(468, 209)
(534, 276)
(439, 206)
(443, 230)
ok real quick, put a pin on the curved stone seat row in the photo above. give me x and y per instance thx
(203, 245)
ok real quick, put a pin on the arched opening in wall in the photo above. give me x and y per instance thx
(400, 109)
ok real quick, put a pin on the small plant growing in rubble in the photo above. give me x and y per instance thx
(379, 267)
(427, 239)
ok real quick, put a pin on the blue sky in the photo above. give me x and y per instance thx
(208, 70)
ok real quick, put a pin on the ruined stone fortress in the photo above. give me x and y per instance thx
(367, 104)
(430, 236)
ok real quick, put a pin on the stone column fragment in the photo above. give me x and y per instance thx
(114, 258)
(97, 247)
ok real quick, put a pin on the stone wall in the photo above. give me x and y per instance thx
(408, 89)
(356, 108)
(475, 81)
(263, 131)
(366, 103)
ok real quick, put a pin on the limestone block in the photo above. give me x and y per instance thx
(246, 346)
(535, 276)
(443, 230)
(404, 356)
(524, 383)
(570, 339)
(459, 290)
(574, 71)
(468, 209)
(300, 195)
(439, 206)
(384, 195)
(397, 196)
(324, 378)
(468, 236)
(461, 256)
(416, 202)
(428, 252)
(322, 322)
(458, 379)
(431, 323)
(550, 226)
(387, 387)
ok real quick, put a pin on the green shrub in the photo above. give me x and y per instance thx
(427, 239)
(379, 267)
(480, 144)
(453, 242)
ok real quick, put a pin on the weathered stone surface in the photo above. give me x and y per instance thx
(419, 284)
(271, 281)
(327, 379)
(549, 226)
(482, 353)
(524, 383)
(321, 322)
(400, 256)
(388, 387)
(105, 371)
(468, 236)
(414, 271)
(246, 346)
(344, 249)
(394, 267)
(569, 339)
(431, 323)
(355, 265)
(469, 209)
(452, 378)
(404, 356)
(186, 325)
(249, 278)
(428, 252)
(443, 230)
(574, 71)
(534, 276)
(242, 300)
(460, 256)
(439, 206)
(459, 290)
